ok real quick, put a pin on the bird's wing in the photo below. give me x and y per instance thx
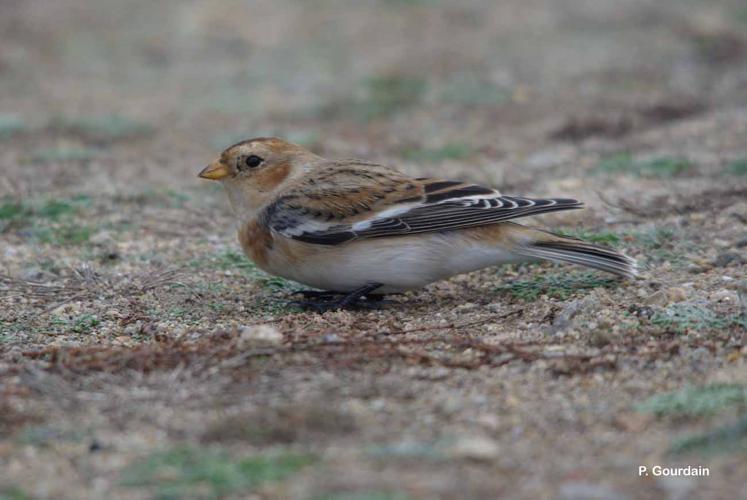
(368, 202)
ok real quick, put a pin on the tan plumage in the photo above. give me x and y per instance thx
(340, 225)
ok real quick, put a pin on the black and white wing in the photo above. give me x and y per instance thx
(402, 207)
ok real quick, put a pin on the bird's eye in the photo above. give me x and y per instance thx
(253, 161)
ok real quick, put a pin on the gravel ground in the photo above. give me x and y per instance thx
(142, 356)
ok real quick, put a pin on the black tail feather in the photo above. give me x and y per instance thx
(584, 254)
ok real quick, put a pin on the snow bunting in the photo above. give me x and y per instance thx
(358, 228)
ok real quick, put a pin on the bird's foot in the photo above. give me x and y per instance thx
(323, 301)
(319, 294)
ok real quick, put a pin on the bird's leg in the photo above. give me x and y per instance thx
(319, 294)
(353, 297)
(350, 300)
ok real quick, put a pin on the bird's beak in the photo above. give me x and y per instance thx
(215, 171)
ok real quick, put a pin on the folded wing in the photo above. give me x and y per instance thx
(432, 205)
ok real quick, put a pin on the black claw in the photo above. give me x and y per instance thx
(318, 294)
(320, 306)
(333, 301)
(310, 305)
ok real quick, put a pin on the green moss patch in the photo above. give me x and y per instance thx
(737, 167)
(696, 401)
(658, 167)
(50, 221)
(557, 286)
(387, 95)
(102, 128)
(64, 154)
(11, 125)
(192, 472)
(683, 317)
(452, 151)
(600, 237)
(725, 439)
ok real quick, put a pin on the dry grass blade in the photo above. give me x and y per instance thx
(15, 286)
(152, 280)
(624, 206)
(86, 283)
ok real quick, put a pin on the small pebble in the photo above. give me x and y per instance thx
(726, 258)
(676, 294)
(656, 299)
(330, 338)
(729, 296)
(123, 340)
(477, 448)
(258, 335)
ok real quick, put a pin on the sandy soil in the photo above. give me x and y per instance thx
(142, 356)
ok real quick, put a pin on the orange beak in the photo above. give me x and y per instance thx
(215, 171)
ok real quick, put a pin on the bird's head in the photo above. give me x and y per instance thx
(252, 170)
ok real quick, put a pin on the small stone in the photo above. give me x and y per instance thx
(71, 309)
(113, 314)
(489, 421)
(695, 269)
(700, 261)
(599, 338)
(741, 242)
(10, 251)
(32, 274)
(477, 448)
(717, 242)
(123, 340)
(726, 258)
(734, 356)
(330, 338)
(259, 335)
(738, 211)
(657, 298)
(697, 217)
(150, 329)
(633, 421)
(101, 238)
(564, 319)
(729, 296)
(133, 328)
(110, 255)
(676, 294)
(432, 373)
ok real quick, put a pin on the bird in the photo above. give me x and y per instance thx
(356, 230)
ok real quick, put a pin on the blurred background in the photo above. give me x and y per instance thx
(512, 86)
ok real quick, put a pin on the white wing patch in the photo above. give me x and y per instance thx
(307, 226)
(442, 206)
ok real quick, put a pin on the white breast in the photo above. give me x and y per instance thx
(399, 263)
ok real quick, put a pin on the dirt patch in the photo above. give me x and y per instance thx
(614, 124)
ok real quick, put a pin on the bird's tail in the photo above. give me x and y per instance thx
(553, 247)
